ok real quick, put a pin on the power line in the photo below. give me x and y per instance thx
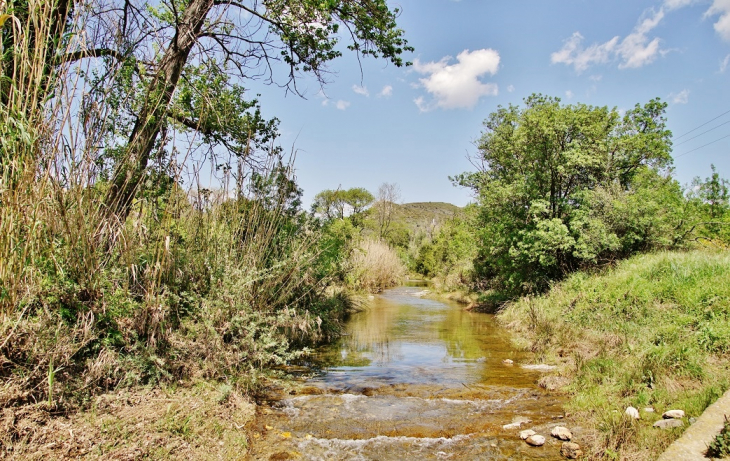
(695, 129)
(698, 148)
(697, 136)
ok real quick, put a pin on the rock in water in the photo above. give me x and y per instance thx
(507, 362)
(561, 433)
(632, 412)
(673, 414)
(524, 435)
(668, 423)
(571, 450)
(535, 440)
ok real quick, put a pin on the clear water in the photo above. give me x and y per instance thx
(413, 378)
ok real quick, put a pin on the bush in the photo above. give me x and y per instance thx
(375, 266)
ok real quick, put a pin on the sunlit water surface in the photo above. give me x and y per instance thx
(413, 378)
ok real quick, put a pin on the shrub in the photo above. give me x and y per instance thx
(375, 266)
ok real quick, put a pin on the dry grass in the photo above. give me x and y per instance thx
(375, 266)
(200, 421)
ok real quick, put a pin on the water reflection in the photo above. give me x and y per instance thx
(406, 338)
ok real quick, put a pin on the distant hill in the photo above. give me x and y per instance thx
(423, 216)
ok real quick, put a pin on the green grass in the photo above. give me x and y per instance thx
(652, 332)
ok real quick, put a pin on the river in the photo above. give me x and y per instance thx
(413, 378)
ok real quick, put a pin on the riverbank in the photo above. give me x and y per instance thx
(652, 333)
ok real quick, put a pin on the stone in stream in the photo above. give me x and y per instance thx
(516, 423)
(562, 433)
(668, 423)
(571, 450)
(673, 414)
(527, 433)
(535, 440)
(632, 412)
(508, 361)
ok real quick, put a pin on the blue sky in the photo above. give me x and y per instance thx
(416, 126)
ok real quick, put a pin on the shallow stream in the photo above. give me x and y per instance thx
(413, 378)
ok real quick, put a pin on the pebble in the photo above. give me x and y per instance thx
(562, 433)
(648, 410)
(535, 440)
(668, 423)
(527, 433)
(571, 450)
(632, 412)
(508, 361)
(673, 414)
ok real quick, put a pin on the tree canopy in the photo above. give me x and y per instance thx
(565, 186)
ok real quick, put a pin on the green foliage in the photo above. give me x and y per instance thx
(653, 331)
(331, 204)
(569, 187)
(710, 200)
(720, 445)
(452, 249)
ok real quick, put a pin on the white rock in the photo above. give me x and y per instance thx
(632, 412)
(648, 410)
(673, 414)
(527, 433)
(507, 362)
(539, 367)
(517, 421)
(535, 440)
(562, 433)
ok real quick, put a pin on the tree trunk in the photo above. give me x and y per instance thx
(131, 169)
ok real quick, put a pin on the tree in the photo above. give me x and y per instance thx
(712, 199)
(388, 195)
(358, 199)
(555, 187)
(181, 64)
(333, 204)
(328, 204)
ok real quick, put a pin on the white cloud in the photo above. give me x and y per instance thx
(677, 4)
(510, 88)
(724, 63)
(573, 53)
(680, 98)
(569, 94)
(722, 8)
(636, 50)
(458, 86)
(342, 105)
(361, 90)
(633, 51)
(386, 92)
(596, 78)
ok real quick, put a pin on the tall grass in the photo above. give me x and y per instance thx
(191, 284)
(654, 331)
(375, 266)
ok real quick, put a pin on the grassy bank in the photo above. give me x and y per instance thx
(652, 332)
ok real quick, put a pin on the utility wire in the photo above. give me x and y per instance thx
(698, 148)
(697, 136)
(695, 129)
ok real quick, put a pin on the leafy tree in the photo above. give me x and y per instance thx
(181, 65)
(358, 199)
(329, 204)
(567, 186)
(711, 197)
(333, 204)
